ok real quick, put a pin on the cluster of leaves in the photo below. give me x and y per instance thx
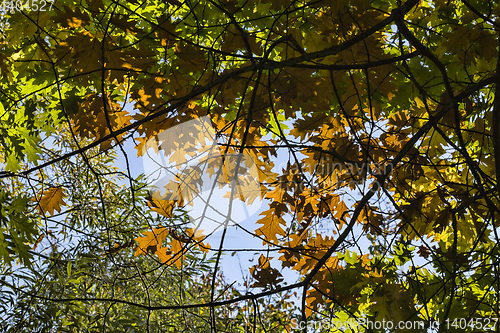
(81, 274)
(387, 206)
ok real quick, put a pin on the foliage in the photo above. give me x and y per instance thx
(385, 113)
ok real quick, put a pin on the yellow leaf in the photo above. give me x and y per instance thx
(198, 237)
(151, 240)
(161, 206)
(178, 251)
(419, 102)
(271, 226)
(164, 254)
(340, 209)
(51, 200)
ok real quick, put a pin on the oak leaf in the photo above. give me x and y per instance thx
(161, 206)
(151, 240)
(266, 276)
(271, 226)
(178, 252)
(198, 237)
(51, 200)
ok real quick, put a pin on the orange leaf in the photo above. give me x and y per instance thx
(271, 226)
(151, 240)
(198, 237)
(51, 200)
(178, 252)
(341, 209)
(162, 207)
(164, 254)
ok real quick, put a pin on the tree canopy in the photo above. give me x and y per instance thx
(357, 143)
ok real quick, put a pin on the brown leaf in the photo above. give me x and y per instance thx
(266, 276)
(423, 251)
